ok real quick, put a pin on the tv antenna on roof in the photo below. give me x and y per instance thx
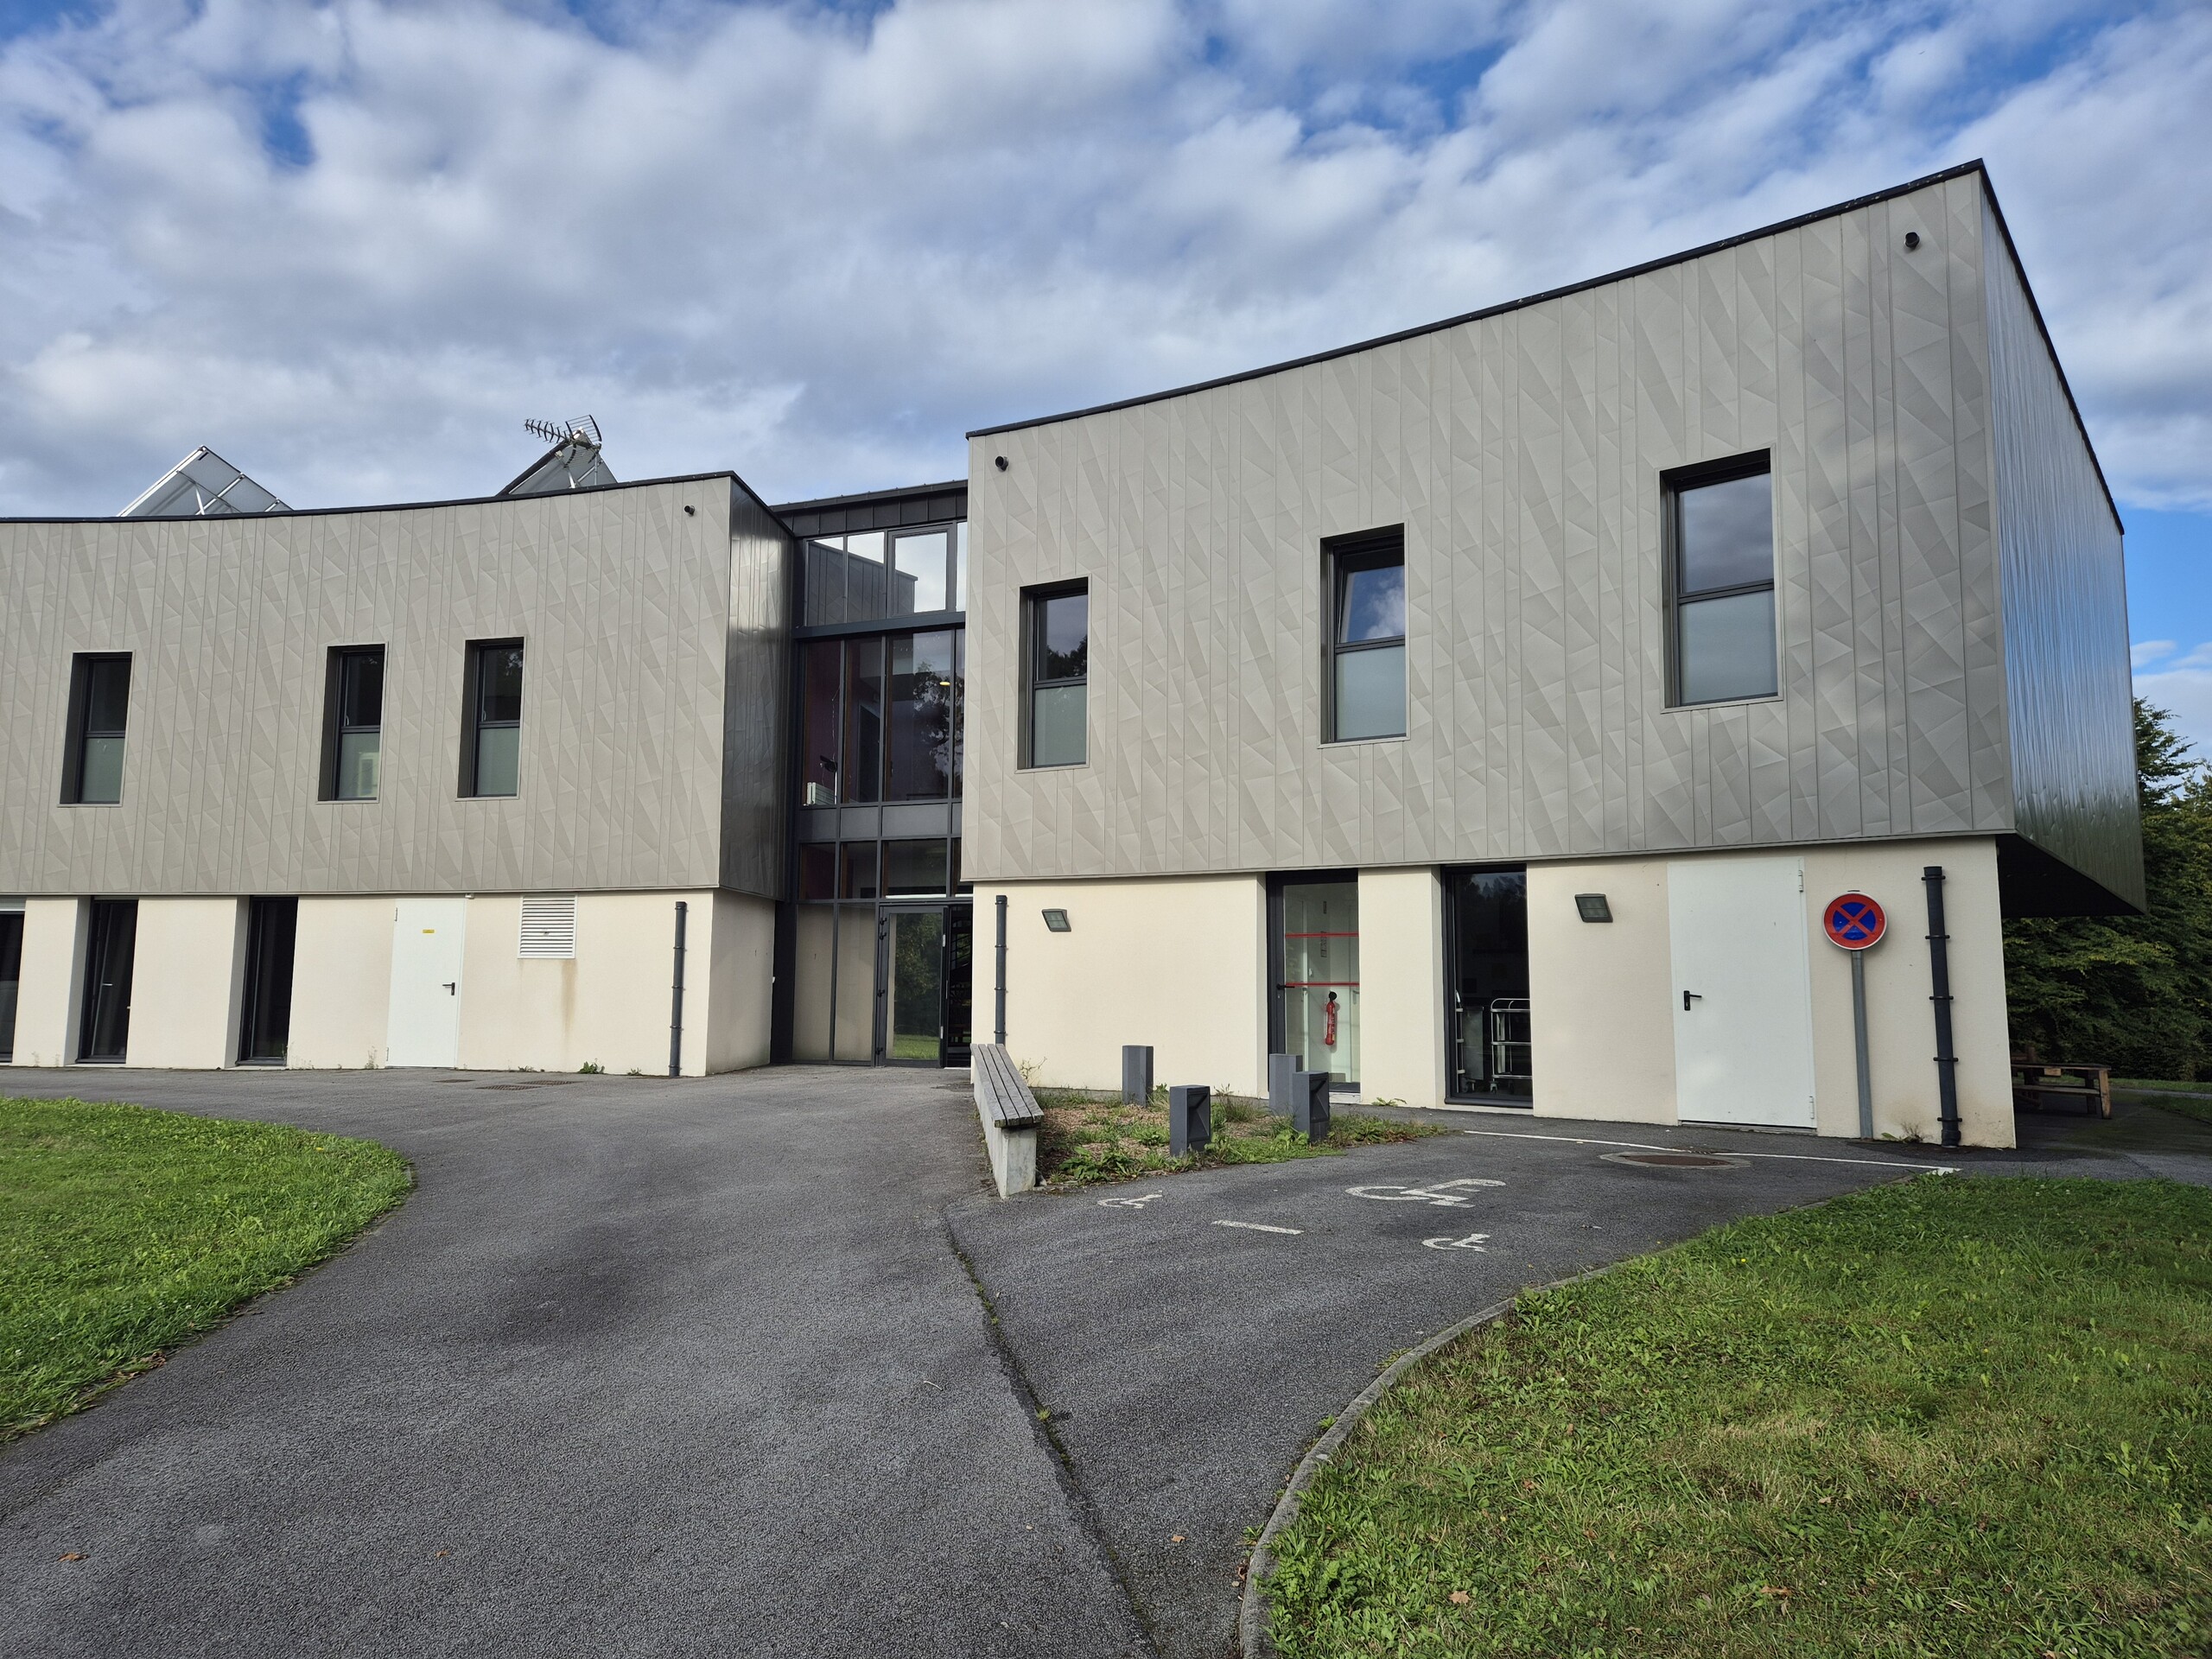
(563, 431)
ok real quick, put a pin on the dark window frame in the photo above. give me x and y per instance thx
(1342, 557)
(78, 731)
(1034, 600)
(334, 726)
(472, 722)
(1673, 484)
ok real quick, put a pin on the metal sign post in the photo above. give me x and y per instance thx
(1855, 923)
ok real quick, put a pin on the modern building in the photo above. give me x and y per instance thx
(1484, 714)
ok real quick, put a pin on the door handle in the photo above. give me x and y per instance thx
(1690, 997)
(449, 990)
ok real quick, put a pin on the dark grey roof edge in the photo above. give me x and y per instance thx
(1649, 266)
(394, 506)
(2035, 311)
(822, 502)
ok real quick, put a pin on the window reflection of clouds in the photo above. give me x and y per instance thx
(1375, 604)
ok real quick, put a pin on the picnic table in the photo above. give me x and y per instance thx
(2088, 1086)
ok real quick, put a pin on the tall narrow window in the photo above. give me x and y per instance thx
(1058, 626)
(355, 739)
(863, 777)
(820, 721)
(1367, 637)
(11, 971)
(922, 716)
(266, 1015)
(492, 754)
(1720, 522)
(111, 948)
(99, 708)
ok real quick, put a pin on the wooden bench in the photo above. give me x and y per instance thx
(2088, 1086)
(1011, 1117)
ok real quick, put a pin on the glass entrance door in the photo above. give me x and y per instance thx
(1317, 982)
(922, 981)
(11, 974)
(1486, 984)
(111, 945)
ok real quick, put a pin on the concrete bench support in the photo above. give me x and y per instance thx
(1309, 1111)
(1010, 1116)
(1189, 1119)
(1136, 1075)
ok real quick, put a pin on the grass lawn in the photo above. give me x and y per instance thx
(124, 1232)
(1955, 1417)
(1088, 1138)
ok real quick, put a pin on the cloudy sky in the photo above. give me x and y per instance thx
(352, 246)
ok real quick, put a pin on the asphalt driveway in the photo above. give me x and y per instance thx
(701, 1367)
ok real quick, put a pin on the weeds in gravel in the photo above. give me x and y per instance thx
(1089, 1138)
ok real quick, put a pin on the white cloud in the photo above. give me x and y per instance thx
(817, 243)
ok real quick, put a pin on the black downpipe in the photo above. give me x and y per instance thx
(675, 1009)
(1939, 968)
(998, 1025)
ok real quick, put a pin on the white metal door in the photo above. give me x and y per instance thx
(1743, 991)
(426, 940)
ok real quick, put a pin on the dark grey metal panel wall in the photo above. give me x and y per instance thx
(754, 705)
(1522, 453)
(2065, 593)
(625, 601)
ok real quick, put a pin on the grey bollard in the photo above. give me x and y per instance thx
(1281, 1069)
(1136, 1075)
(1190, 1118)
(1310, 1105)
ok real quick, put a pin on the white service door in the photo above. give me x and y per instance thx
(1744, 1039)
(426, 940)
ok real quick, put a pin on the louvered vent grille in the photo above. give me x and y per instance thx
(548, 925)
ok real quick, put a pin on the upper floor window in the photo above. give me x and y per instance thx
(1720, 524)
(880, 719)
(353, 733)
(1056, 625)
(492, 754)
(867, 576)
(99, 709)
(1367, 637)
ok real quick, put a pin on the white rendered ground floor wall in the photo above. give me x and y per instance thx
(436, 980)
(1765, 1036)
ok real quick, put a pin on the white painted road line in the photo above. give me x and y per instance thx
(1259, 1227)
(1646, 1146)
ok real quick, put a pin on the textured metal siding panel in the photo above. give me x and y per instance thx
(1522, 453)
(621, 596)
(754, 704)
(2065, 606)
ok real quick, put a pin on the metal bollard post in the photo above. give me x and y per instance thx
(1190, 1118)
(1281, 1069)
(1310, 1105)
(1136, 1075)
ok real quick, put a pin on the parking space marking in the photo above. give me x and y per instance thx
(1259, 1227)
(1136, 1202)
(1436, 1192)
(1646, 1146)
(1471, 1241)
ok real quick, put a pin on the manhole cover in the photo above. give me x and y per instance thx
(1674, 1160)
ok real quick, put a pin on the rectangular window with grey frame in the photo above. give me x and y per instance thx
(1056, 629)
(353, 741)
(1720, 523)
(99, 709)
(1367, 637)
(491, 751)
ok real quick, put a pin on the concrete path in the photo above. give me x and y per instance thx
(699, 1368)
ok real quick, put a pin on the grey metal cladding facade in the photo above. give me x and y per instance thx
(2065, 589)
(624, 602)
(755, 697)
(1522, 453)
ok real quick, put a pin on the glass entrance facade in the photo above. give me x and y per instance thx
(875, 934)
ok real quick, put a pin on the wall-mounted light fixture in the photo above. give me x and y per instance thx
(999, 461)
(1056, 921)
(1912, 240)
(1593, 908)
